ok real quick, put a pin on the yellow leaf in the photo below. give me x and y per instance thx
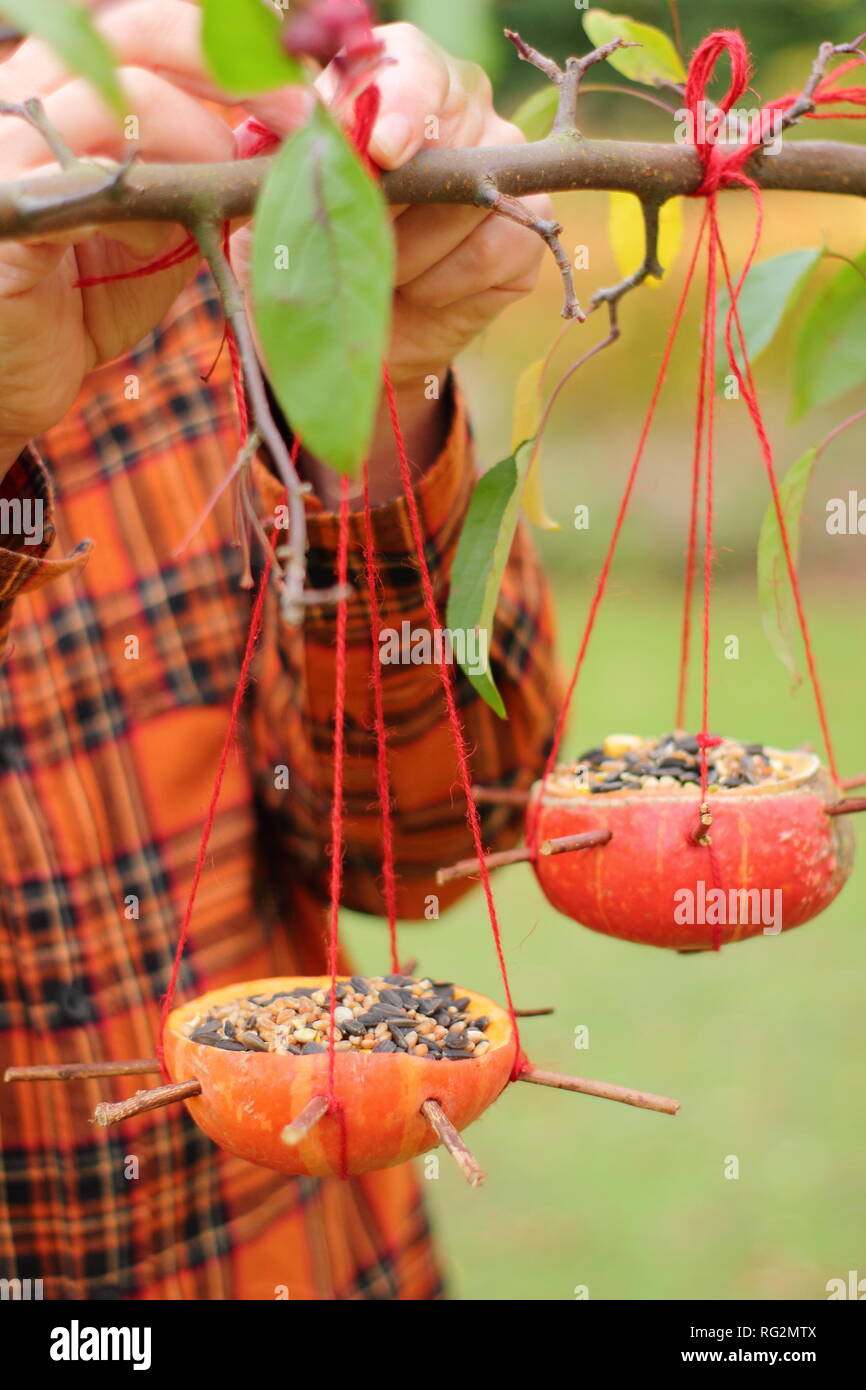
(524, 425)
(627, 233)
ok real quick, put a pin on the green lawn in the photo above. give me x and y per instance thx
(762, 1044)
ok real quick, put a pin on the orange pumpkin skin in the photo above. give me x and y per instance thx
(248, 1098)
(762, 839)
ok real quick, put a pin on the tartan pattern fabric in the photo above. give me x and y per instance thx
(119, 668)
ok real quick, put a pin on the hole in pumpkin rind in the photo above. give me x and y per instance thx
(498, 1033)
(804, 766)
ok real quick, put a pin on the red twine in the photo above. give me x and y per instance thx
(474, 821)
(335, 1105)
(722, 167)
(383, 783)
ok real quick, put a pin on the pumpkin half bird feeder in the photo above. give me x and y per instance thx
(639, 833)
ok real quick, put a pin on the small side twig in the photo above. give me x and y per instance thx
(505, 206)
(466, 868)
(805, 103)
(644, 1100)
(502, 796)
(453, 1142)
(586, 839)
(524, 854)
(81, 1071)
(33, 112)
(846, 807)
(114, 1112)
(650, 265)
(567, 79)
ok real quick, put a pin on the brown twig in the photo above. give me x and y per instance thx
(587, 839)
(846, 807)
(567, 79)
(504, 205)
(453, 1142)
(848, 783)
(501, 796)
(33, 112)
(805, 103)
(603, 1089)
(533, 1013)
(96, 194)
(676, 25)
(650, 265)
(465, 868)
(523, 854)
(114, 1112)
(75, 1071)
(315, 1108)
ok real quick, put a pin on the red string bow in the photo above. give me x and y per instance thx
(724, 164)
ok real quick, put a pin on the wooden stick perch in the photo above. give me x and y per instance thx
(453, 1142)
(585, 840)
(499, 796)
(467, 868)
(533, 1013)
(113, 1112)
(315, 1108)
(846, 807)
(75, 1071)
(643, 1099)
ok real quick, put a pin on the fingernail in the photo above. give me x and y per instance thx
(391, 137)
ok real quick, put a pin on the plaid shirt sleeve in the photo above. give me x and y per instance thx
(27, 531)
(114, 700)
(292, 717)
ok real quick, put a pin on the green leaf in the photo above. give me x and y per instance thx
(322, 273)
(69, 30)
(482, 554)
(770, 289)
(241, 41)
(655, 61)
(534, 116)
(830, 353)
(774, 589)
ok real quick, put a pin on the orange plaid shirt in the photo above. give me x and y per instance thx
(120, 664)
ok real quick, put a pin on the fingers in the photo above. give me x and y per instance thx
(497, 255)
(161, 36)
(427, 97)
(426, 235)
(172, 126)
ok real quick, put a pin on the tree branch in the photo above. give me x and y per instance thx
(650, 265)
(101, 193)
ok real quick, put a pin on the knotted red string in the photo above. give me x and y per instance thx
(722, 164)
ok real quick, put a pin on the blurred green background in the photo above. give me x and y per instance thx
(764, 1043)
